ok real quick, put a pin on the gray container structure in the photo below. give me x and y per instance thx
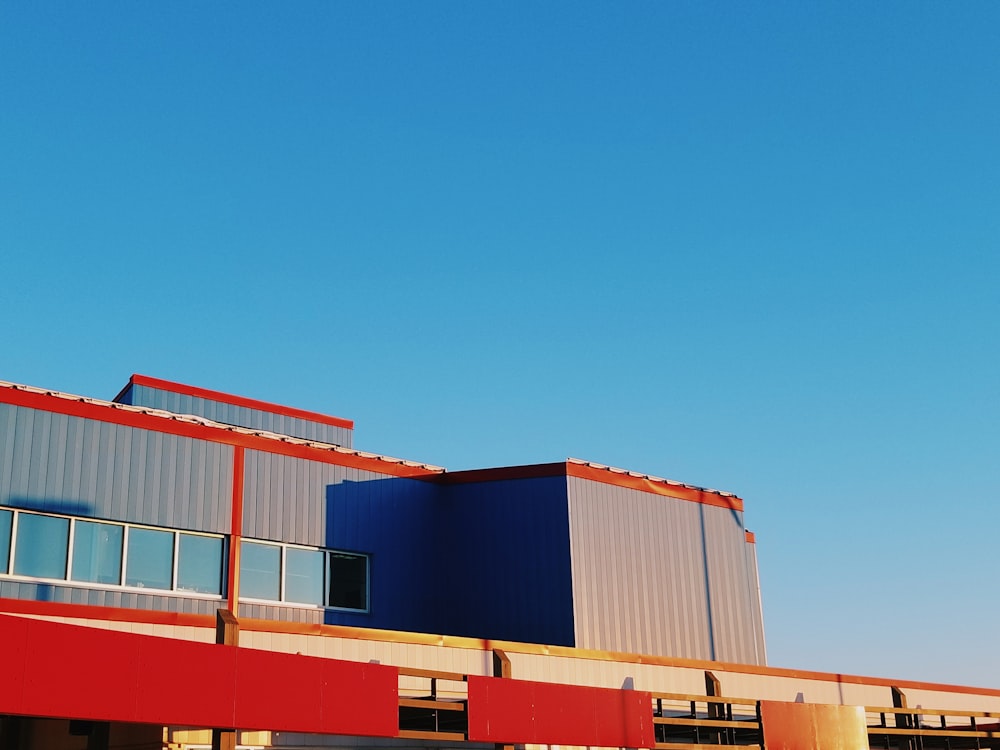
(570, 553)
(155, 393)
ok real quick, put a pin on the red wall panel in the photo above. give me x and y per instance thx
(518, 711)
(57, 670)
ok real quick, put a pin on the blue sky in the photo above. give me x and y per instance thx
(743, 245)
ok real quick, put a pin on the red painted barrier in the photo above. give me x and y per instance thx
(66, 671)
(518, 711)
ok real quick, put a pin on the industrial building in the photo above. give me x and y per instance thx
(127, 526)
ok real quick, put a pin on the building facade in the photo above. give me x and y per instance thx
(182, 569)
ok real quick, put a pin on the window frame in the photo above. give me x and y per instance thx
(283, 573)
(67, 579)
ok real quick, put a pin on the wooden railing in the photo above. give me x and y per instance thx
(919, 728)
(433, 716)
(684, 721)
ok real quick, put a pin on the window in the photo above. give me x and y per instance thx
(260, 571)
(150, 562)
(6, 521)
(85, 551)
(275, 572)
(41, 546)
(304, 576)
(348, 581)
(97, 552)
(199, 564)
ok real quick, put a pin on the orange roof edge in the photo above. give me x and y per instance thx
(228, 398)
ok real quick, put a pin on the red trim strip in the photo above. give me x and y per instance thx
(605, 476)
(533, 471)
(751, 537)
(644, 484)
(113, 614)
(250, 403)
(235, 531)
(128, 418)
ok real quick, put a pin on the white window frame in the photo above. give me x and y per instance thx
(282, 602)
(121, 585)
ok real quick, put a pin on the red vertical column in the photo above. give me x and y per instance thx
(236, 532)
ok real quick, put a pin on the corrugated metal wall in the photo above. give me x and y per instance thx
(656, 575)
(733, 598)
(81, 467)
(505, 560)
(241, 416)
(396, 521)
(45, 592)
(756, 603)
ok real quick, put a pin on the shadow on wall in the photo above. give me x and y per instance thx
(41, 549)
(392, 520)
(484, 560)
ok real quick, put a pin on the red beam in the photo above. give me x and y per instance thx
(250, 403)
(57, 670)
(508, 711)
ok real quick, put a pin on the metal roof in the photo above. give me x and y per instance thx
(192, 419)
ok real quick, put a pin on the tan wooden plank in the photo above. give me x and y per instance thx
(413, 734)
(429, 704)
(948, 732)
(896, 711)
(708, 699)
(432, 674)
(725, 723)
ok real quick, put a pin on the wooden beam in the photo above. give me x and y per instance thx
(227, 633)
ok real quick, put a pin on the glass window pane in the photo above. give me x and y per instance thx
(304, 576)
(97, 552)
(41, 547)
(150, 558)
(6, 520)
(199, 564)
(348, 581)
(260, 571)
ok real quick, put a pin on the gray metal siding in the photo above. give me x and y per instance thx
(241, 416)
(285, 499)
(81, 467)
(758, 614)
(730, 587)
(651, 574)
(286, 614)
(47, 592)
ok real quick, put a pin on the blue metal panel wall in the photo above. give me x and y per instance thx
(505, 561)
(241, 416)
(394, 520)
(81, 467)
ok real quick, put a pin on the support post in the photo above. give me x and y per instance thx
(502, 669)
(99, 736)
(713, 687)
(501, 664)
(12, 730)
(227, 633)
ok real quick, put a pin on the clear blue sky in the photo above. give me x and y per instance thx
(751, 246)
